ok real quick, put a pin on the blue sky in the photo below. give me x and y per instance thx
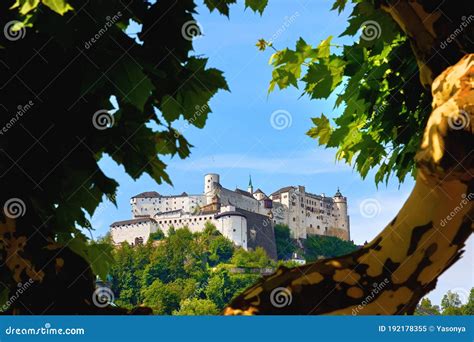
(239, 138)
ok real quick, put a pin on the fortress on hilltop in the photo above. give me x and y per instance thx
(246, 218)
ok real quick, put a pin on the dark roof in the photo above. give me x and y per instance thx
(285, 189)
(154, 194)
(243, 192)
(147, 194)
(168, 212)
(258, 191)
(132, 221)
(229, 213)
(338, 193)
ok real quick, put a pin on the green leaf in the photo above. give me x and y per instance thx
(324, 48)
(220, 5)
(322, 78)
(322, 130)
(99, 256)
(131, 83)
(170, 108)
(3, 296)
(256, 5)
(25, 6)
(339, 5)
(58, 6)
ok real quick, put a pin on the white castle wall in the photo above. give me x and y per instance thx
(228, 197)
(195, 223)
(230, 226)
(304, 213)
(234, 228)
(130, 232)
(310, 214)
(154, 205)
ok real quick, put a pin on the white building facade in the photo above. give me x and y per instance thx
(238, 214)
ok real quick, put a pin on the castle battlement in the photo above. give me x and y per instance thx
(243, 216)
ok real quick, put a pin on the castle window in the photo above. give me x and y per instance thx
(294, 219)
(318, 227)
(233, 230)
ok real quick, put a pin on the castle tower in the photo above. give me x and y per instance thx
(250, 187)
(210, 181)
(342, 220)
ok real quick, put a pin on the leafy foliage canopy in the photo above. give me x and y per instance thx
(377, 123)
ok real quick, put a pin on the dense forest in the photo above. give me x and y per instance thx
(189, 273)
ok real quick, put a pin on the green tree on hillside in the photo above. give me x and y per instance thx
(126, 272)
(223, 286)
(196, 307)
(451, 304)
(468, 308)
(221, 250)
(425, 308)
(165, 298)
(317, 246)
(284, 244)
(248, 259)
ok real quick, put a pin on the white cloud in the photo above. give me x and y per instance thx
(308, 162)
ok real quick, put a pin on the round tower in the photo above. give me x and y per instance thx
(209, 185)
(340, 203)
